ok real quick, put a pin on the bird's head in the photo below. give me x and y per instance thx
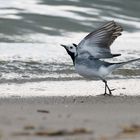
(71, 50)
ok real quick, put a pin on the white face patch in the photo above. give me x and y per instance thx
(72, 49)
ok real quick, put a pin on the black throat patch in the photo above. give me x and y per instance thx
(72, 55)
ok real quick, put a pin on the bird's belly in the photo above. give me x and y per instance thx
(92, 73)
(87, 72)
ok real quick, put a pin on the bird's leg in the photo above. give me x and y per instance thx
(107, 87)
(110, 91)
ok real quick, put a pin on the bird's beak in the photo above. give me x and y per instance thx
(63, 45)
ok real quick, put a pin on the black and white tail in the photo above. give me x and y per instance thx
(124, 63)
(114, 66)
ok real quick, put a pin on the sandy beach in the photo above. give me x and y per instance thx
(70, 118)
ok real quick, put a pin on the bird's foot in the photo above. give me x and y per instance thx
(110, 92)
(106, 94)
(112, 89)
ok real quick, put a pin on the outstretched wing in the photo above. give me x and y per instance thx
(97, 43)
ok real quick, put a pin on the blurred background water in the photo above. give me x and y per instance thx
(31, 33)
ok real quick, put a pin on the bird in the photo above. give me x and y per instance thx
(89, 56)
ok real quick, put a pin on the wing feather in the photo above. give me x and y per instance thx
(98, 42)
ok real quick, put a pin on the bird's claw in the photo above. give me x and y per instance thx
(113, 89)
(110, 92)
(106, 94)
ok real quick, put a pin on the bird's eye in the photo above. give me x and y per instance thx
(71, 47)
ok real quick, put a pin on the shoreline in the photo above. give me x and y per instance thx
(70, 88)
(53, 100)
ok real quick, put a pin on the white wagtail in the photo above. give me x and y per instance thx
(88, 54)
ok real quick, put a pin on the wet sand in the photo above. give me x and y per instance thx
(70, 118)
